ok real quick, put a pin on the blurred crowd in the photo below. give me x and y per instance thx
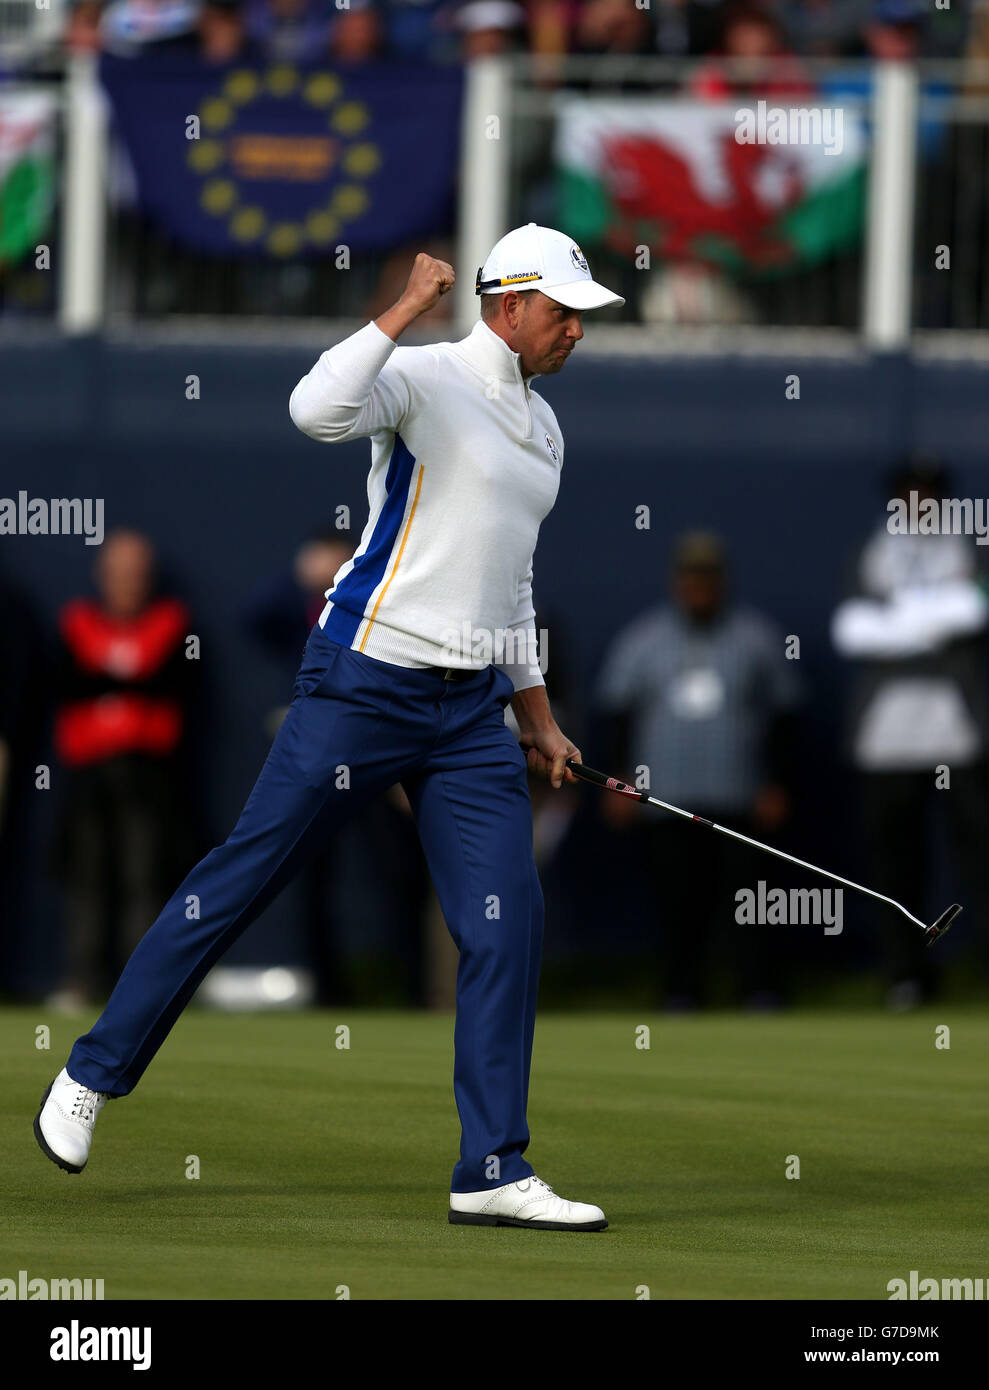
(696, 700)
(425, 31)
(734, 48)
(704, 706)
(116, 695)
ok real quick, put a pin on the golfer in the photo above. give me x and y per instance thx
(427, 635)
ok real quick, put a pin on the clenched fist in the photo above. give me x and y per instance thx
(429, 281)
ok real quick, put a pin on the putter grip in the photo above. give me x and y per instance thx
(600, 779)
(589, 774)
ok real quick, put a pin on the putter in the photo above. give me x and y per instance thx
(932, 933)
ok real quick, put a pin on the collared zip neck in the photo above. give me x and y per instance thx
(489, 354)
(526, 402)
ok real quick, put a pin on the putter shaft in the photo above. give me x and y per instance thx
(933, 932)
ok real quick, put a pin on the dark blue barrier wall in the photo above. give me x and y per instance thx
(227, 486)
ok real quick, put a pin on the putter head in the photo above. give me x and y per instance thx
(937, 929)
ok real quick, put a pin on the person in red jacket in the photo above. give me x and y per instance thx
(124, 690)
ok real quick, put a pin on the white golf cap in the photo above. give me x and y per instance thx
(539, 258)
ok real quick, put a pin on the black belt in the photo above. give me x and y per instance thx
(455, 673)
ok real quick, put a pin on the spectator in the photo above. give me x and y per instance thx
(222, 32)
(290, 31)
(550, 25)
(25, 663)
(977, 53)
(82, 29)
(701, 691)
(826, 28)
(358, 34)
(612, 26)
(670, 27)
(126, 27)
(281, 613)
(598, 27)
(687, 27)
(756, 37)
(280, 616)
(489, 27)
(125, 693)
(916, 630)
(893, 34)
(905, 30)
(420, 30)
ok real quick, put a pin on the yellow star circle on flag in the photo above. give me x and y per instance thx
(220, 196)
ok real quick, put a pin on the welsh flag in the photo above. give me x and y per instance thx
(27, 171)
(673, 176)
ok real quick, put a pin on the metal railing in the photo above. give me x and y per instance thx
(920, 266)
(951, 216)
(29, 30)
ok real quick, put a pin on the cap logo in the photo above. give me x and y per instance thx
(500, 281)
(579, 259)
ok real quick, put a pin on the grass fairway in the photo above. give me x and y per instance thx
(323, 1167)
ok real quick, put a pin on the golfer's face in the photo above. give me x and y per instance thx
(547, 334)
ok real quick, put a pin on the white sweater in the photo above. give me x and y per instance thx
(465, 463)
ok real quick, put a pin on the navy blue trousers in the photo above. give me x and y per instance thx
(355, 727)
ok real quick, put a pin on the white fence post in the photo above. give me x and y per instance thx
(484, 171)
(890, 224)
(83, 236)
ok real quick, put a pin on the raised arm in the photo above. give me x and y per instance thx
(351, 392)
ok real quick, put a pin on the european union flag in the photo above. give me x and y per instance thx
(285, 161)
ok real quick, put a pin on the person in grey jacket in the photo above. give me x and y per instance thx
(701, 700)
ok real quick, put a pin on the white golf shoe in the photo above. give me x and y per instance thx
(64, 1124)
(530, 1202)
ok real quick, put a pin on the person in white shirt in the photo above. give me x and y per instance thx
(427, 634)
(918, 721)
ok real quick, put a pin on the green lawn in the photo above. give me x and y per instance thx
(322, 1167)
